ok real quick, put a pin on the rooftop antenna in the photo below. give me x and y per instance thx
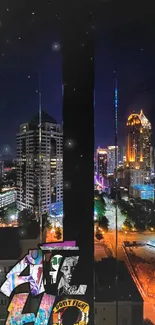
(116, 183)
(40, 165)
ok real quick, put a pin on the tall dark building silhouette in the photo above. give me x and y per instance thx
(78, 130)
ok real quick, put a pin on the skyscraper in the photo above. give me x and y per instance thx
(28, 169)
(101, 163)
(147, 148)
(111, 161)
(138, 151)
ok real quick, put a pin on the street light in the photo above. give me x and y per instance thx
(13, 217)
(126, 235)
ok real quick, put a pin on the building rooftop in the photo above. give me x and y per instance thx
(144, 187)
(6, 190)
(145, 122)
(46, 118)
(105, 282)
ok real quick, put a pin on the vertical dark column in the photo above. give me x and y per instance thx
(78, 128)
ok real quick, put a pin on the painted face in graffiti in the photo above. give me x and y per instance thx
(68, 268)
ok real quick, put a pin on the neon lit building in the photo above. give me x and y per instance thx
(145, 192)
(56, 209)
(134, 153)
(28, 170)
(138, 148)
(147, 148)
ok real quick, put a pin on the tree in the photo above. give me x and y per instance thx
(99, 235)
(147, 322)
(25, 217)
(11, 210)
(46, 222)
(99, 207)
(139, 225)
(104, 223)
(58, 233)
(127, 224)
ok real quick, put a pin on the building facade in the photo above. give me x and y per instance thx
(28, 164)
(7, 197)
(129, 301)
(101, 163)
(145, 192)
(129, 313)
(146, 146)
(138, 149)
(111, 161)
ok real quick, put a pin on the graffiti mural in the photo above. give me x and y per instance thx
(53, 277)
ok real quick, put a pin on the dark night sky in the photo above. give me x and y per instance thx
(127, 46)
(124, 41)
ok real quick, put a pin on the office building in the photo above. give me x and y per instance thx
(28, 166)
(145, 192)
(138, 149)
(146, 145)
(111, 161)
(101, 163)
(7, 197)
(121, 156)
(134, 153)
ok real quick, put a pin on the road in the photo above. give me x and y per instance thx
(102, 250)
(111, 215)
(110, 238)
(143, 275)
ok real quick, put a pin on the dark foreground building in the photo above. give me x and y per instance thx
(130, 302)
(78, 131)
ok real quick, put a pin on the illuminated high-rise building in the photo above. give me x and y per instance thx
(28, 167)
(146, 144)
(138, 150)
(111, 159)
(101, 163)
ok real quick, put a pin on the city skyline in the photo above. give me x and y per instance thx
(124, 51)
(79, 184)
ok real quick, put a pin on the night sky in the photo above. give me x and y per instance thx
(29, 39)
